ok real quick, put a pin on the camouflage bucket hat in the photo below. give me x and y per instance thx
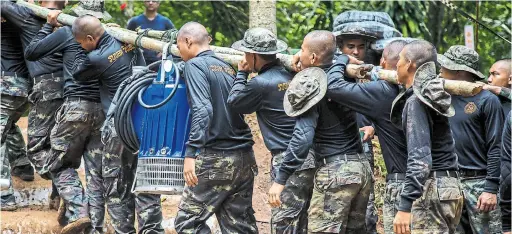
(460, 58)
(94, 8)
(260, 41)
(430, 90)
(307, 88)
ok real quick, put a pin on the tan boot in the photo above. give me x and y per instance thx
(76, 227)
(61, 217)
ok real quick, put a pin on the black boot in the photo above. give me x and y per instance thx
(8, 203)
(25, 172)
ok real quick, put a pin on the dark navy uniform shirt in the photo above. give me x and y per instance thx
(430, 147)
(47, 42)
(264, 94)
(505, 103)
(477, 127)
(214, 125)
(505, 203)
(373, 100)
(506, 147)
(11, 50)
(327, 127)
(28, 25)
(110, 63)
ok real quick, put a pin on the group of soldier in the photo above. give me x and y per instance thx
(442, 152)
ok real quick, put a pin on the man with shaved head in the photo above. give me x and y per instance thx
(500, 75)
(110, 61)
(343, 179)
(219, 165)
(77, 129)
(431, 199)
(390, 54)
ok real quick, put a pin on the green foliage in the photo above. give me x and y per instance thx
(379, 172)
(214, 15)
(430, 20)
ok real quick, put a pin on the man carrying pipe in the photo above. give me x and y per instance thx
(219, 166)
(14, 88)
(500, 75)
(264, 95)
(343, 179)
(77, 128)
(374, 100)
(353, 42)
(477, 127)
(110, 61)
(47, 80)
(431, 200)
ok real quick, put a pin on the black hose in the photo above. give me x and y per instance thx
(152, 65)
(124, 100)
(141, 92)
(130, 90)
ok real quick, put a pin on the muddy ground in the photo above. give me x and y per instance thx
(260, 205)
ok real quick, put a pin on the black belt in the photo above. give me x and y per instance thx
(222, 152)
(37, 79)
(6, 73)
(472, 173)
(343, 157)
(437, 174)
(81, 99)
(395, 176)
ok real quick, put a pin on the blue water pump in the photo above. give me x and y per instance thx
(161, 122)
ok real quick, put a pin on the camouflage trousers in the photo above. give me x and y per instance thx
(371, 212)
(119, 167)
(391, 201)
(439, 209)
(12, 108)
(77, 133)
(340, 196)
(225, 188)
(16, 147)
(474, 221)
(505, 201)
(5, 173)
(292, 216)
(46, 99)
(13, 103)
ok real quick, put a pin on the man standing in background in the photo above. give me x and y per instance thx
(151, 19)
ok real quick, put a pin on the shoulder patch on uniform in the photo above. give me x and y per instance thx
(470, 108)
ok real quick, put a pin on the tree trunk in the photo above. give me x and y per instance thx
(262, 13)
